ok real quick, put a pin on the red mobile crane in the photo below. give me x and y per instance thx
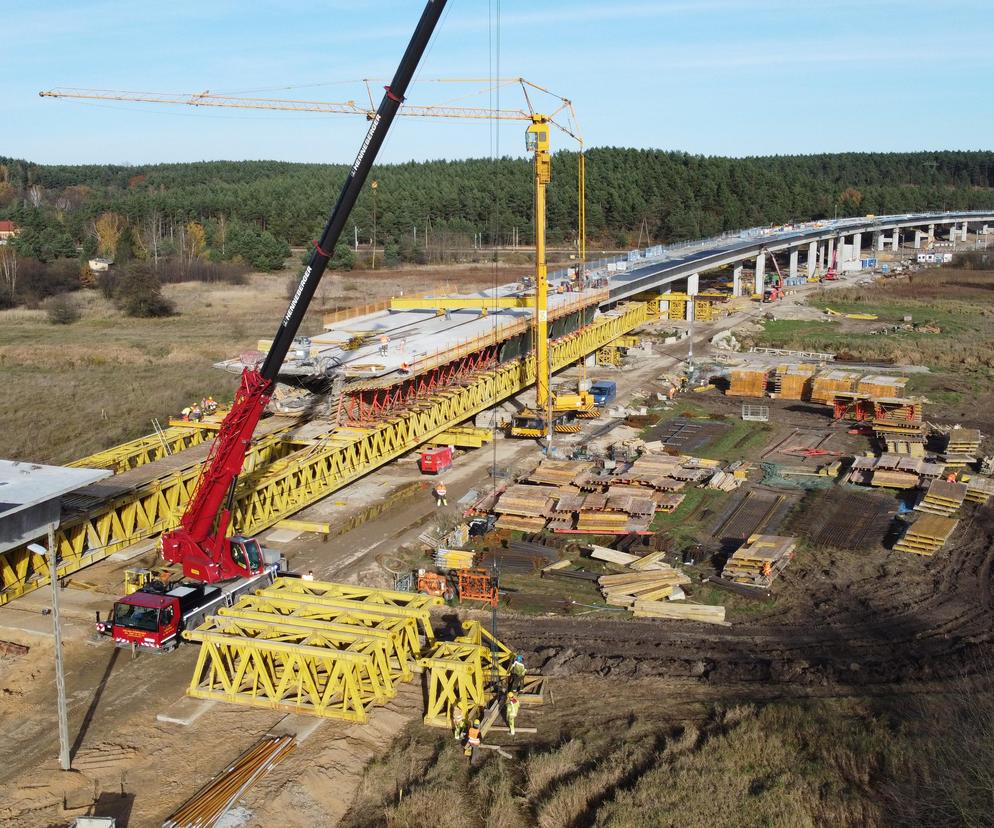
(153, 616)
(774, 293)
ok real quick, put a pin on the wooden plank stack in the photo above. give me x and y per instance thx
(525, 508)
(759, 560)
(826, 384)
(880, 386)
(927, 535)
(962, 446)
(979, 489)
(943, 498)
(560, 472)
(705, 613)
(893, 479)
(625, 589)
(747, 382)
(793, 382)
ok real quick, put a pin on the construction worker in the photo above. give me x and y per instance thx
(951, 477)
(516, 679)
(185, 414)
(440, 493)
(473, 738)
(511, 707)
(405, 368)
(195, 413)
(384, 344)
(459, 723)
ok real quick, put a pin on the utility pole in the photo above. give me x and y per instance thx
(60, 676)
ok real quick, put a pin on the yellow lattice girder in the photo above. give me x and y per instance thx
(395, 661)
(375, 611)
(456, 678)
(354, 592)
(94, 532)
(147, 449)
(297, 678)
(497, 655)
(404, 628)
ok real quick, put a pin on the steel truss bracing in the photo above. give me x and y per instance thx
(337, 650)
(144, 450)
(280, 477)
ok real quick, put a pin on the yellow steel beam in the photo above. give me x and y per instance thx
(487, 303)
(404, 627)
(147, 449)
(354, 592)
(464, 437)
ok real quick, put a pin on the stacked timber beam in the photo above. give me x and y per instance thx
(943, 498)
(962, 446)
(760, 560)
(927, 535)
(525, 508)
(651, 588)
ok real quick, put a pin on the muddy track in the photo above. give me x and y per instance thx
(871, 618)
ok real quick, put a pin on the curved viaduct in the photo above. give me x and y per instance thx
(845, 238)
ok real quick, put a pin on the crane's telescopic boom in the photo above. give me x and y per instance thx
(200, 542)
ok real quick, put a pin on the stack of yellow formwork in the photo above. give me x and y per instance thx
(747, 382)
(880, 386)
(927, 535)
(962, 446)
(943, 498)
(979, 489)
(759, 560)
(826, 384)
(794, 381)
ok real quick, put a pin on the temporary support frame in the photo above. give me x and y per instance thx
(147, 449)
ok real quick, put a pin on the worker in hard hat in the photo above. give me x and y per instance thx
(516, 679)
(384, 344)
(459, 723)
(473, 738)
(511, 707)
(440, 494)
(185, 414)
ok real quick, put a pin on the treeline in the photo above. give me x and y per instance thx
(249, 212)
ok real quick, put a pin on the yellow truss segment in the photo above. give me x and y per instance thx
(456, 678)
(373, 612)
(146, 449)
(92, 533)
(403, 628)
(354, 592)
(280, 675)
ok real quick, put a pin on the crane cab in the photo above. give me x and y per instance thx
(246, 554)
(537, 143)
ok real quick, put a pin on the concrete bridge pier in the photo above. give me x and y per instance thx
(920, 236)
(831, 252)
(931, 232)
(878, 240)
(737, 280)
(792, 270)
(693, 288)
(812, 259)
(759, 284)
(857, 247)
(896, 239)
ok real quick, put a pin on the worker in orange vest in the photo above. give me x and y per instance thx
(473, 738)
(440, 493)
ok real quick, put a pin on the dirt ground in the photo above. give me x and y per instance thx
(853, 631)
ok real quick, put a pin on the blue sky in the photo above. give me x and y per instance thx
(716, 77)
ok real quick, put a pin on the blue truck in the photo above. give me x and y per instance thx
(603, 391)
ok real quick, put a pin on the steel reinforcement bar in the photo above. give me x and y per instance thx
(281, 478)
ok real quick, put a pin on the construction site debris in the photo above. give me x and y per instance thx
(760, 560)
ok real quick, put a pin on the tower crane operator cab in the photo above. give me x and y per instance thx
(537, 142)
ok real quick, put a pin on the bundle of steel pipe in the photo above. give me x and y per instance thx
(214, 799)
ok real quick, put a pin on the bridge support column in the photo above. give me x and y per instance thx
(857, 247)
(812, 259)
(737, 280)
(878, 240)
(693, 288)
(953, 232)
(759, 284)
(896, 239)
(830, 253)
(964, 231)
(920, 236)
(931, 233)
(792, 269)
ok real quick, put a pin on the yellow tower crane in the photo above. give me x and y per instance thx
(537, 142)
